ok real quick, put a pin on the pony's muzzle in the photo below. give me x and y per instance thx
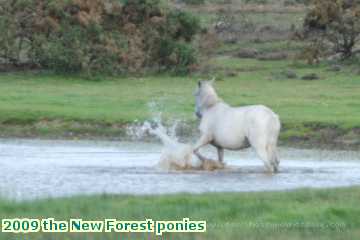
(198, 114)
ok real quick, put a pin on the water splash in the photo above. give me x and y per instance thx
(136, 131)
(176, 155)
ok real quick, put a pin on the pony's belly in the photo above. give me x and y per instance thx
(228, 135)
(231, 144)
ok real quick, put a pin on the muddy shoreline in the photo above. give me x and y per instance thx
(301, 136)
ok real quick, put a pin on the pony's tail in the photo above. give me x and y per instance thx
(271, 147)
(273, 156)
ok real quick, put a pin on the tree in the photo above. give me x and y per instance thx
(335, 24)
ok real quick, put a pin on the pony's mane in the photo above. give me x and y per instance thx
(210, 98)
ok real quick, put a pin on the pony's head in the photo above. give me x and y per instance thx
(205, 97)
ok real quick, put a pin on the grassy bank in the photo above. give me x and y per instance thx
(323, 111)
(53, 105)
(303, 214)
(333, 99)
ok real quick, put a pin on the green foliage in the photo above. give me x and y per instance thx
(194, 2)
(295, 2)
(335, 24)
(140, 10)
(173, 50)
(77, 49)
(12, 39)
(92, 37)
(257, 1)
(176, 54)
(183, 25)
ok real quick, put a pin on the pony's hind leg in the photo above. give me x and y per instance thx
(263, 154)
(265, 149)
(272, 156)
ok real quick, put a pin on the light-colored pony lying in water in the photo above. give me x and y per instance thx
(236, 128)
(180, 156)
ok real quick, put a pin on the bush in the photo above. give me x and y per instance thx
(257, 1)
(194, 2)
(334, 26)
(97, 37)
(182, 25)
(176, 54)
(13, 38)
(296, 2)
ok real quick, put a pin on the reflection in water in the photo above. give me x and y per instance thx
(36, 169)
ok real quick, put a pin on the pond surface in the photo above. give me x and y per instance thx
(37, 168)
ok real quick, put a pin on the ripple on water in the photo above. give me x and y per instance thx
(35, 169)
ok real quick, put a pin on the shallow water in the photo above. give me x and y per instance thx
(36, 169)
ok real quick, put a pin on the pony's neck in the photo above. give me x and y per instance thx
(211, 99)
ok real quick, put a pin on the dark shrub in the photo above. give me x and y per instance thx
(182, 25)
(96, 36)
(194, 2)
(176, 54)
(257, 1)
(295, 2)
(334, 26)
(138, 11)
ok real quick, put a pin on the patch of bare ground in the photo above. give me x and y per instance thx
(256, 35)
(324, 136)
(211, 70)
(248, 8)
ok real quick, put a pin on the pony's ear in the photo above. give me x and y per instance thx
(212, 81)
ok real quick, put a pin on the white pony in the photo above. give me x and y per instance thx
(236, 128)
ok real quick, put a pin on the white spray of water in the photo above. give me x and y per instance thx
(176, 155)
(136, 131)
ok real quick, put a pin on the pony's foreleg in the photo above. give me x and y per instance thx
(220, 154)
(204, 140)
(201, 157)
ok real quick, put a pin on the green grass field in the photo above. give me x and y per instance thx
(302, 214)
(37, 99)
